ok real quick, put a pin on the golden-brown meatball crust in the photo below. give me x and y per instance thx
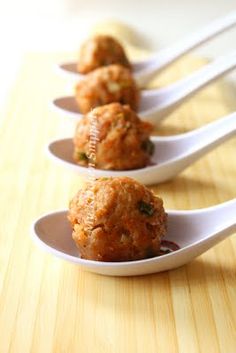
(101, 50)
(123, 139)
(106, 85)
(120, 220)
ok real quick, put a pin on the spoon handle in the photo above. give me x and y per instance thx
(163, 101)
(220, 216)
(169, 55)
(213, 134)
(195, 144)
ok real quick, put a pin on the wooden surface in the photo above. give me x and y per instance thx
(47, 305)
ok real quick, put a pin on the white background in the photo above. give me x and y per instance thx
(61, 25)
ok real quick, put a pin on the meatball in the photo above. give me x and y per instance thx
(106, 85)
(101, 50)
(117, 219)
(122, 140)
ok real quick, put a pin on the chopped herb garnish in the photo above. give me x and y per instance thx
(82, 156)
(120, 116)
(111, 48)
(125, 84)
(148, 146)
(113, 87)
(146, 208)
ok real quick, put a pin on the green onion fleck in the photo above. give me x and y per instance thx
(148, 146)
(82, 156)
(146, 208)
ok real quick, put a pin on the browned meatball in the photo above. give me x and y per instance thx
(101, 50)
(117, 219)
(106, 85)
(123, 139)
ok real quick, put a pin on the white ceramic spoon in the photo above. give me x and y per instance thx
(194, 231)
(172, 154)
(144, 70)
(157, 104)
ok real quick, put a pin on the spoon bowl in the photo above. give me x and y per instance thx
(194, 231)
(172, 154)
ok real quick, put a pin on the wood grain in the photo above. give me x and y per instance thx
(47, 305)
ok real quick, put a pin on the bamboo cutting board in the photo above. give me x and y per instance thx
(47, 305)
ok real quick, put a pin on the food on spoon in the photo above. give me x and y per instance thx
(117, 219)
(106, 85)
(101, 50)
(122, 141)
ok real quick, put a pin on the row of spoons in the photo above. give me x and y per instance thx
(158, 104)
(194, 231)
(144, 70)
(173, 153)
